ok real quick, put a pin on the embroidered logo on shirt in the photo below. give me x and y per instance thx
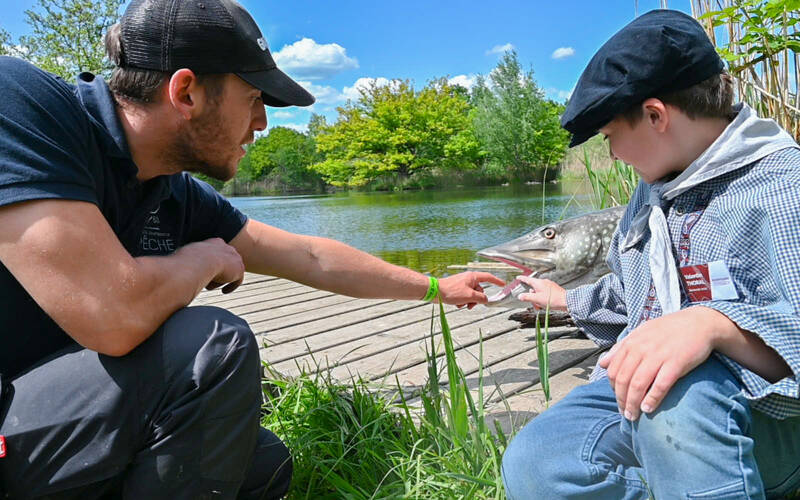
(153, 238)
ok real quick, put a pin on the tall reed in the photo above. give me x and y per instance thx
(761, 41)
(612, 186)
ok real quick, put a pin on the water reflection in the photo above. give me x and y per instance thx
(425, 230)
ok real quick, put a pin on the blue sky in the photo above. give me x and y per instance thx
(332, 47)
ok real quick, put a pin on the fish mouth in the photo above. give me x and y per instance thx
(537, 267)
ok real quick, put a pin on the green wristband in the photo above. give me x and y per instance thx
(433, 290)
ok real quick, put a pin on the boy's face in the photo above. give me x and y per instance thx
(643, 146)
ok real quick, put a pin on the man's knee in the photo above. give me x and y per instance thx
(270, 472)
(207, 340)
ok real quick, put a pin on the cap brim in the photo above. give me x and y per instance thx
(580, 138)
(278, 89)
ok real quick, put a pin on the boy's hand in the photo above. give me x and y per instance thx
(645, 365)
(544, 293)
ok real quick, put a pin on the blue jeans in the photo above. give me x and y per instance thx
(703, 441)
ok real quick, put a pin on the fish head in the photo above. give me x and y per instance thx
(570, 252)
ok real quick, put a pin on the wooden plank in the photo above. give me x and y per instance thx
(487, 266)
(302, 310)
(408, 361)
(250, 279)
(564, 354)
(529, 403)
(249, 295)
(376, 337)
(353, 316)
(380, 341)
(509, 366)
(273, 303)
(276, 320)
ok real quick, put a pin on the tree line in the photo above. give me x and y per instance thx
(393, 136)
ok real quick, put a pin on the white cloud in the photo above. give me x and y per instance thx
(309, 60)
(300, 127)
(563, 52)
(466, 81)
(557, 94)
(282, 115)
(499, 49)
(353, 93)
(324, 94)
(328, 97)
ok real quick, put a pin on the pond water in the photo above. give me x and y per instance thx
(422, 230)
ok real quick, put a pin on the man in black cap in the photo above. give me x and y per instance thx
(699, 397)
(111, 387)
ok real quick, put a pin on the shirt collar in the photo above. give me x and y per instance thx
(99, 103)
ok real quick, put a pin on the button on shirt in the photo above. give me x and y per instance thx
(62, 141)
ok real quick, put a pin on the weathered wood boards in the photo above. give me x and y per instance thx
(306, 330)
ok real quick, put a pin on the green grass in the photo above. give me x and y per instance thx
(356, 441)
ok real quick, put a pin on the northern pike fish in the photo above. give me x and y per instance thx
(571, 252)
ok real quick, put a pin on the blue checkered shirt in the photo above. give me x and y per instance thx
(750, 219)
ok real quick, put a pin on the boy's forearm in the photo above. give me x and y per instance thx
(744, 347)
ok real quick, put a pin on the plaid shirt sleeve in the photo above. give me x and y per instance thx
(764, 249)
(599, 309)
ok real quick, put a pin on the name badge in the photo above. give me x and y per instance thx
(711, 281)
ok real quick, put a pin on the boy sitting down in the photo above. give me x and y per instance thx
(698, 397)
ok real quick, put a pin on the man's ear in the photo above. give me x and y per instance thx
(656, 114)
(185, 94)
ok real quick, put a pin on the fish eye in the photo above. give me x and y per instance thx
(549, 233)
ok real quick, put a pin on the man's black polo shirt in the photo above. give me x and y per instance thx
(59, 141)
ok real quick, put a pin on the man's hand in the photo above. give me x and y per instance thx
(544, 293)
(645, 365)
(227, 259)
(465, 288)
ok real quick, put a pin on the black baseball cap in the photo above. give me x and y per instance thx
(658, 52)
(206, 36)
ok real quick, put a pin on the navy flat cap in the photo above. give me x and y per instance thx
(658, 52)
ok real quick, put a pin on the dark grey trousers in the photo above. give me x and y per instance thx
(177, 418)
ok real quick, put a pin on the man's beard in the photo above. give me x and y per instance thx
(199, 147)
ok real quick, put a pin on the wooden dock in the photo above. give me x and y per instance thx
(301, 328)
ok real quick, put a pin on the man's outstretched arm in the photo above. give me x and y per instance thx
(70, 261)
(330, 265)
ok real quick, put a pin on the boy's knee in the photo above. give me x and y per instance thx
(525, 469)
(700, 403)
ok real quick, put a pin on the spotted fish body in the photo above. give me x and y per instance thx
(571, 252)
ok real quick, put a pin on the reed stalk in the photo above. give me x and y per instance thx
(761, 41)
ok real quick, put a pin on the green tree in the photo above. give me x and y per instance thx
(5, 42)
(393, 129)
(282, 157)
(67, 35)
(316, 125)
(517, 127)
